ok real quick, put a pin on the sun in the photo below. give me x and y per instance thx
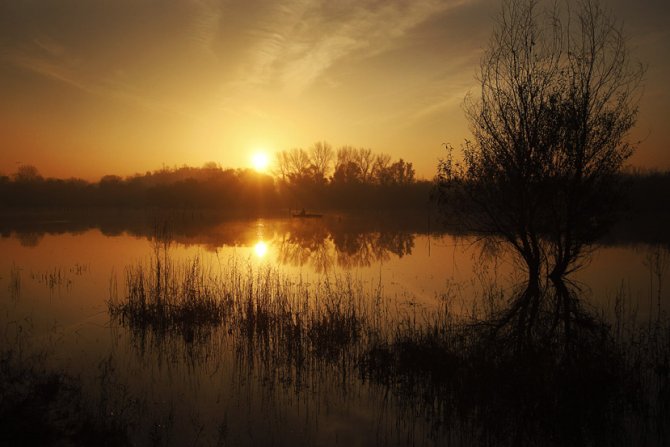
(261, 248)
(260, 161)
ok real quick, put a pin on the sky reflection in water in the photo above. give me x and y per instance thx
(69, 268)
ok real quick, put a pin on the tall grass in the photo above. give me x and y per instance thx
(14, 286)
(609, 386)
(283, 317)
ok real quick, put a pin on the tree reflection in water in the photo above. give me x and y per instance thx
(535, 366)
(324, 246)
(565, 379)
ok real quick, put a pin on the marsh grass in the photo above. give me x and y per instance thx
(162, 304)
(605, 382)
(282, 320)
(14, 286)
(610, 385)
(53, 279)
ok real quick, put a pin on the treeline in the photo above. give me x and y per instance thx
(185, 187)
(641, 195)
(317, 178)
(646, 192)
(348, 177)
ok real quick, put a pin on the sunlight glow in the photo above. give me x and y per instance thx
(260, 161)
(261, 249)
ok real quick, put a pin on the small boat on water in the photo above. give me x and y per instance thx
(304, 215)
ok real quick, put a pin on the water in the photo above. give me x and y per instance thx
(57, 275)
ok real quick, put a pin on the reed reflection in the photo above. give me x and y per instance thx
(574, 380)
(213, 230)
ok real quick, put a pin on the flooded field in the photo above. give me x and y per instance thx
(292, 346)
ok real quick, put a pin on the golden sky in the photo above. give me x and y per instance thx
(95, 87)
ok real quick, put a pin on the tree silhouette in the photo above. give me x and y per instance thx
(558, 96)
(321, 154)
(27, 173)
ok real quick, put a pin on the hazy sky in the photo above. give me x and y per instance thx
(93, 87)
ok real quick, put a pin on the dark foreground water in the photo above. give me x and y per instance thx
(58, 274)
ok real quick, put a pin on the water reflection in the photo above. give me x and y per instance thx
(413, 378)
(322, 247)
(335, 240)
(30, 239)
(576, 380)
(214, 230)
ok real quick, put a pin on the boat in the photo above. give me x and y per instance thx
(303, 215)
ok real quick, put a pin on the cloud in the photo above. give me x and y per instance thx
(57, 66)
(303, 40)
(216, 46)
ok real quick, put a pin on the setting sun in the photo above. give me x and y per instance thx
(260, 161)
(260, 249)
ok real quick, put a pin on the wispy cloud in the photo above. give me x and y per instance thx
(58, 66)
(303, 40)
(272, 46)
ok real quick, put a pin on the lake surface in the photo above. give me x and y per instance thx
(57, 275)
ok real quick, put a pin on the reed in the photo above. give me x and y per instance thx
(286, 318)
(14, 286)
(604, 382)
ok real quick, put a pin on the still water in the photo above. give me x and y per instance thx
(57, 275)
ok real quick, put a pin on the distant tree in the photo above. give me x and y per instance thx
(321, 156)
(110, 180)
(27, 173)
(295, 166)
(558, 96)
(398, 173)
(348, 173)
(364, 158)
(347, 168)
(302, 174)
(380, 166)
(211, 166)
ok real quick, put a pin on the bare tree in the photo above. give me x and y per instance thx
(380, 167)
(365, 159)
(356, 165)
(322, 155)
(27, 173)
(559, 95)
(347, 169)
(294, 165)
(281, 165)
